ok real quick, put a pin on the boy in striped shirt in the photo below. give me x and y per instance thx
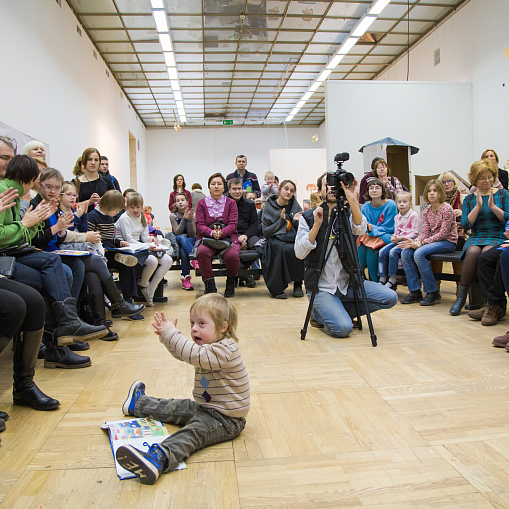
(221, 390)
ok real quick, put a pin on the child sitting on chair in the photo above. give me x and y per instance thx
(221, 390)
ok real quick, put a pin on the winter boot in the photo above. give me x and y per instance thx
(24, 390)
(70, 327)
(61, 357)
(461, 299)
(230, 287)
(118, 305)
(210, 285)
(493, 314)
(99, 316)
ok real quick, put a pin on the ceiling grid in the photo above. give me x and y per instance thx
(250, 61)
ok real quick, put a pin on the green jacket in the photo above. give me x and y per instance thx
(12, 232)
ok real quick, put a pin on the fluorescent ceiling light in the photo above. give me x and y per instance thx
(161, 21)
(335, 61)
(347, 45)
(288, 118)
(294, 111)
(306, 96)
(180, 105)
(177, 95)
(183, 118)
(169, 58)
(363, 25)
(323, 76)
(315, 86)
(175, 85)
(378, 6)
(157, 4)
(165, 41)
(172, 73)
(181, 112)
(300, 104)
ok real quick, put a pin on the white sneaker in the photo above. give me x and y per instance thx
(150, 301)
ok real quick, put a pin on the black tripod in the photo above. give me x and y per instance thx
(345, 245)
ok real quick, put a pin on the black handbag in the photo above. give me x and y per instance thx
(18, 251)
(7, 264)
(221, 243)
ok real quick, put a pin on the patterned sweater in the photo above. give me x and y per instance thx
(407, 225)
(221, 380)
(439, 225)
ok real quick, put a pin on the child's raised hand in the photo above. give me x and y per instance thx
(161, 323)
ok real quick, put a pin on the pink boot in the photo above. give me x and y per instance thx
(194, 264)
(186, 284)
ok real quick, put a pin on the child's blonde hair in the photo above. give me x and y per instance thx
(110, 201)
(220, 310)
(136, 200)
(65, 186)
(268, 174)
(404, 193)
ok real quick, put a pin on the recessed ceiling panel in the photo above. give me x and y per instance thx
(256, 67)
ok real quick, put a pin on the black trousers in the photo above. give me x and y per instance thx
(21, 308)
(490, 277)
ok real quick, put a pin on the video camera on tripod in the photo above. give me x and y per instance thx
(335, 178)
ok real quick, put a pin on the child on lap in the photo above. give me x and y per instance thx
(221, 390)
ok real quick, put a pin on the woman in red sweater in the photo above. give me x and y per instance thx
(210, 211)
(179, 186)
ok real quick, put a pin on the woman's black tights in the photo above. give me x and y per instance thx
(470, 263)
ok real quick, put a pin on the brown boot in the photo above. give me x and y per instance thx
(501, 341)
(492, 314)
(477, 314)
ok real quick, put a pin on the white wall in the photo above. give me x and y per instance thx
(307, 165)
(473, 44)
(56, 91)
(436, 117)
(198, 153)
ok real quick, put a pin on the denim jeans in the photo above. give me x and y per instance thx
(186, 245)
(388, 256)
(78, 273)
(201, 426)
(415, 263)
(336, 311)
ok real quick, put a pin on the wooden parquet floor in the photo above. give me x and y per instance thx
(419, 422)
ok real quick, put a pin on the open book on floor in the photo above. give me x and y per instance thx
(132, 248)
(135, 432)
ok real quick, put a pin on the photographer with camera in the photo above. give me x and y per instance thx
(334, 304)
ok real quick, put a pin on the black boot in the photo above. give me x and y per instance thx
(24, 390)
(460, 300)
(98, 312)
(230, 287)
(210, 285)
(70, 327)
(118, 305)
(61, 357)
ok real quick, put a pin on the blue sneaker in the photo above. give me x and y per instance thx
(146, 466)
(136, 391)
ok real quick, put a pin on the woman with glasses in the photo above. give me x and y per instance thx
(89, 182)
(485, 213)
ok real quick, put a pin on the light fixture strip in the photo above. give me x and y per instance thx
(161, 21)
(355, 34)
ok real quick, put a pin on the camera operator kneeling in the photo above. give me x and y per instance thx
(334, 305)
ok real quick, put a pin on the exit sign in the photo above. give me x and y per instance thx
(227, 122)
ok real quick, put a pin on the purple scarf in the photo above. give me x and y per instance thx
(215, 207)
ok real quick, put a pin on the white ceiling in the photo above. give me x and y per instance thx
(233, 68)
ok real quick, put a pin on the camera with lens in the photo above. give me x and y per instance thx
(335, 178)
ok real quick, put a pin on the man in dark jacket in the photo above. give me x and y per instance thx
(248, 180)
(105, 172)
(247, 225)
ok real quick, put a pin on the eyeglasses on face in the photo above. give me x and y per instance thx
(485, 179)
(51, 188)
(448, 181)
(70, 195)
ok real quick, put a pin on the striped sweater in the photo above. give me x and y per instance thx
(105, 225)
(221, 380)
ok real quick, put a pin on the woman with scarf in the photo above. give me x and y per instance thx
(216, 221)
(280, 221)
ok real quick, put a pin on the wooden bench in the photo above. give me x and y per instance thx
(247, 257)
